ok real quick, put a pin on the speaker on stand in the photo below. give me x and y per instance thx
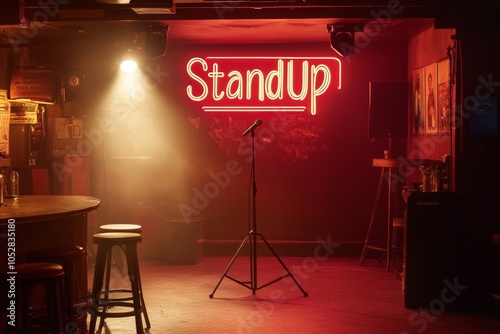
(388, 119)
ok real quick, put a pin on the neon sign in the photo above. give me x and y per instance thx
(250, 89)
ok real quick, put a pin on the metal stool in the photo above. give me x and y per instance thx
(101, 299)
(66, 256)
(50, 275)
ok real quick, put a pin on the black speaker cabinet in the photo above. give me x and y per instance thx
(446, 255)
(388, 109)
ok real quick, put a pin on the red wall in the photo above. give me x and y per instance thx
(315, 177)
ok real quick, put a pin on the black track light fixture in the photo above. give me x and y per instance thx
(342, 38)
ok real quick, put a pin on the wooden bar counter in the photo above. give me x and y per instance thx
(47, 221)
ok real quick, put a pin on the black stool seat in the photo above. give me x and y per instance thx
(102, 299)
(50, 275)
(66, 257)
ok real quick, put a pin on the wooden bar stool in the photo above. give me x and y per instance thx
(130, 228)
(102, 300)
(67, 257)
(50, 275)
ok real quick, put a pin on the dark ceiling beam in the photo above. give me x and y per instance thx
(90, 10)
(478, 15)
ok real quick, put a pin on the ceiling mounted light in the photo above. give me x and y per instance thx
(342, 38)
(152, 7)
(129, 61)
(152, 39)
(128, 66)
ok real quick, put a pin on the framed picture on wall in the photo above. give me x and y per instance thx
(443, 101)
(430, 93)
(417, 102)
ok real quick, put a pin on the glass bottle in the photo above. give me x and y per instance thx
(14, 184)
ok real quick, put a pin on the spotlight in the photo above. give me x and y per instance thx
(128, 66)
(342, 38)
(152, 40)
(129, 62)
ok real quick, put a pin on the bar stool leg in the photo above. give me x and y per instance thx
(146, 317)
(133, 272)
(97, 285)
(109, 259)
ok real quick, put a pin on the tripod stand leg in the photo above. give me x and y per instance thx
(283, 265)
(230, 264)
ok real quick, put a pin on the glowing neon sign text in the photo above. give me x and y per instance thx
(214, 83)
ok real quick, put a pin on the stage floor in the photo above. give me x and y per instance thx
(343, 297)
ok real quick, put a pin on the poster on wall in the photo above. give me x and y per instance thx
(443, 102)
(417, 104)
(32, 84)
(430, 106)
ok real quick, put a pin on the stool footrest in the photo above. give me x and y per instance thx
(374, 247)
(119, 314)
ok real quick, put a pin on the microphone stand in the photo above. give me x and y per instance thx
(252, 237)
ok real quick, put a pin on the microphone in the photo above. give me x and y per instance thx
(257, 122)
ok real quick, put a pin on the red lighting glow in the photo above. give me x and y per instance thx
(261, 84)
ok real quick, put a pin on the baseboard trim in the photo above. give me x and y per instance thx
(212, 247)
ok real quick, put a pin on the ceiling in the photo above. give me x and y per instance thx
(252, 31)
(217, 22)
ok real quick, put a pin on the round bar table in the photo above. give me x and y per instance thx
(25, 209)
(37, 222)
